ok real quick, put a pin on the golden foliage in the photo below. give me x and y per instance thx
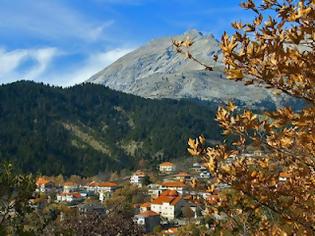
(270, 192)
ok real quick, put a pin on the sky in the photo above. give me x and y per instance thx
(64, 42)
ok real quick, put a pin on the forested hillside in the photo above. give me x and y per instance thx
(87, 129)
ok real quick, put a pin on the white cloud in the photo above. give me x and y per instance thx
(93, 64)
(40, 69)
(10, 62)
(50, 20)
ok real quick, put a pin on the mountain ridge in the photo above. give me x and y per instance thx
(156, 71)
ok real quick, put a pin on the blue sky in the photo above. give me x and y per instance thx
(64, 42)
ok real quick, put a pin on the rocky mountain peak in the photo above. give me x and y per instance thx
(193, 33)
(156, 71)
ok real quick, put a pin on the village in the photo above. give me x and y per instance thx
(174, 199)
(170, 202)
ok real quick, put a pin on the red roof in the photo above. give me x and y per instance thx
(146, 204)
(69, 183)
(139, 173)
(167, 164)
(168, 196)
(285, 175)
(183, 174)
(74, 194)
(172, 193)
(41, 181)
(103, 184)
(173, 184)
(148, 214)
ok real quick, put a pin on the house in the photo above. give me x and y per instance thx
(102, 195)
(283, 176)
(145, 207)
(183, 177)
(197, 167)
(91, 208)
(137, 178)
(173, 185)
(147, 219)
(167, 167)
(168, 204)
(70, 187)
(70, 197)
(154, 190)
(44, 185)
(97, 187)
(195, 207)
(205, 175)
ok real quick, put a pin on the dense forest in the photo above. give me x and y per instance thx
(88, 129)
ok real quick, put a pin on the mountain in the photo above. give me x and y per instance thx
(155, 70)
(88, 128)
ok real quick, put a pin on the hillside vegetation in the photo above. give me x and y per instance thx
(87, 129)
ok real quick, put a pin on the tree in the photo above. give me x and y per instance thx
(126, 197)
(15, 193)
(276, 50)
(59, 180)
(116, 222)
(187, 212)
(146, 180)
(157, 229)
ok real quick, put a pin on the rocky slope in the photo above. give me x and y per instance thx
(155, 70)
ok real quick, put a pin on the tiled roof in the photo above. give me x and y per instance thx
(139, 173)
(183, 174)
(170, 193)
(41, 181)
(74, 194)
(176, 200)
(285, 175)
(146, 204)
(103, 184)
(173, 200)
(173, 184)
(69, 183)
(167, 164)
(148, 214)
(163, 199)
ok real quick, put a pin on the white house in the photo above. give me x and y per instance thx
(167, 167)
(137, 178)
(154, 190)
(168, 204)
(69, 197)
(148, 220)
(283, 176)
(183, 177)
(97, 187)
(173, 185)
(70, 187)
(102, 196)
(205, 175)
(43, 185)
(145, 207)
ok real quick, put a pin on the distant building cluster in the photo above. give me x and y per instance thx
(175, 195)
